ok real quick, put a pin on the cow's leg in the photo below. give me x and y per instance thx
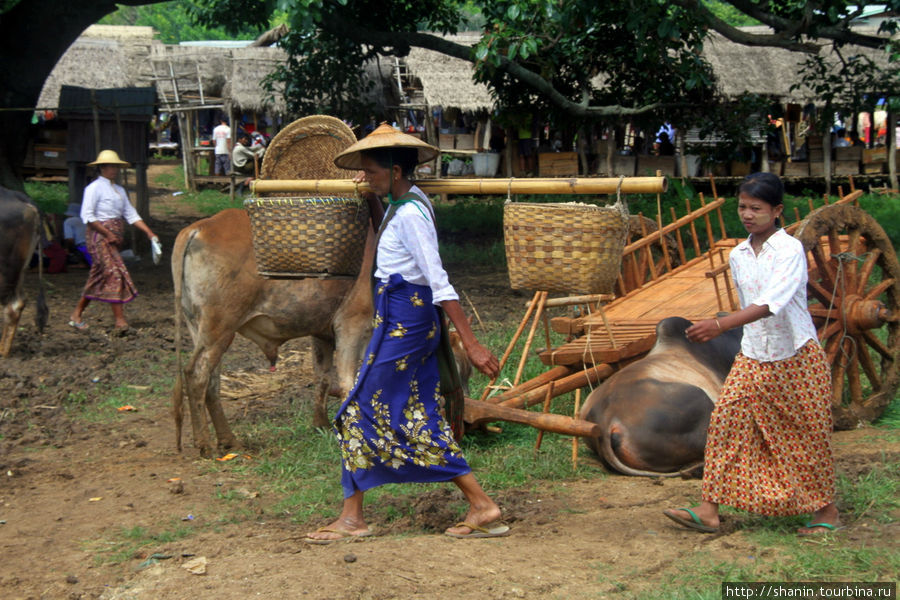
(194, 385)
(204, 362)
(323, 352)
(11, 313)
(351, 338)
(224, 436)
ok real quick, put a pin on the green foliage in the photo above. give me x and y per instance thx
(729, 13)
(175, 22)
(51, 198)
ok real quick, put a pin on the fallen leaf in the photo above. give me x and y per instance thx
(173, 479)
(127, 408)
(140, 388)
(229, 456)
(197, 566)
(95, 499)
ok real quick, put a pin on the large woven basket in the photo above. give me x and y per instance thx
(571, 248)
(308, 237)
(318, 235)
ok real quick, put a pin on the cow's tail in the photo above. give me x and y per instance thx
(610, 456)
(178, 259)
(42, 314)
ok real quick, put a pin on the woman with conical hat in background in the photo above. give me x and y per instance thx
(105, 209)
(391, 427)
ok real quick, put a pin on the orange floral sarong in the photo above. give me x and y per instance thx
(768, 448)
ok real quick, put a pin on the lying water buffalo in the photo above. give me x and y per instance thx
(654, 412)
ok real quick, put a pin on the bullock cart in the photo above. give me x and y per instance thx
(681, 269)
(854, 294)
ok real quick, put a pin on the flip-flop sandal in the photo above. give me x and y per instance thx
(829, 528)
(346, 536)
(495, 529)
(79, 325)
(695, 523)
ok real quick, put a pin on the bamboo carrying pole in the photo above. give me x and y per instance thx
(576, 185)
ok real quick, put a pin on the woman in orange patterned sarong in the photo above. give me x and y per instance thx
(768, 447)
(105, 209)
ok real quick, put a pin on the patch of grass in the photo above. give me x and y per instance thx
(104, 407)
(873, 494)
(128, 541)
(209, 202)
(170, 179)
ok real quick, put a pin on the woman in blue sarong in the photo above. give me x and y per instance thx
(391, 427)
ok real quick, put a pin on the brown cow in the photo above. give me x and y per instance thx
(19, 235)
(655, 411)
(220, 293)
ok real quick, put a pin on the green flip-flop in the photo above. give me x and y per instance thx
(695, 523)
(810, 525)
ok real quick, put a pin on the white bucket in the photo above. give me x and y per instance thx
(486, 163)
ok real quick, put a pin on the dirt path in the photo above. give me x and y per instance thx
(73, 490)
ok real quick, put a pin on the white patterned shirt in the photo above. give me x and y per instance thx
(775, 277)
(104, 200)
(409, 247)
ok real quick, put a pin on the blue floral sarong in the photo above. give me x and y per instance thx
(392, 428)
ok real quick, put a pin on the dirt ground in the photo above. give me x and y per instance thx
(69, 485)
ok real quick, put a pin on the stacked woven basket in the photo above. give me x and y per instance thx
(316, 235)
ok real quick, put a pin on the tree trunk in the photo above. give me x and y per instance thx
(34, 34)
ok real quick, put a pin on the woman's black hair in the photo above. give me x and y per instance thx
(766, 187)
(405, 158)
(763, 186)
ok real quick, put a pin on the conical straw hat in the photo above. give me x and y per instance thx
(384, 136)
(108, 157)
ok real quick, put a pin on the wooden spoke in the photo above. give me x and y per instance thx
(830, 330)
(821, 312)
(851, 265)
(865, 361)
(834, 244)
(853, 381)
(880, 289)
(825, 271)
(824, 296)
(866, 271)
(878, 346)
(838, 369)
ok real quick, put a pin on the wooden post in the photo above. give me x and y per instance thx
(542, 300)
(547, 399)
(575, 437)
(96, 123)
(891, 141)
(764, 158)
(826, 159)
(143, 195)
(610, 151)
(512, 343)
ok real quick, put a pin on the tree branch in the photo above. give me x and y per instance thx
(739, 36)
(386, 41)
(834, 33)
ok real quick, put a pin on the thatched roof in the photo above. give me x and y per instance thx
(209, 64)
(249, 67)
(447, 81)
(105, 56)
(769, 71)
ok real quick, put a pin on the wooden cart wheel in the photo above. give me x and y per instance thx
(854, 293)
(636, 268)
